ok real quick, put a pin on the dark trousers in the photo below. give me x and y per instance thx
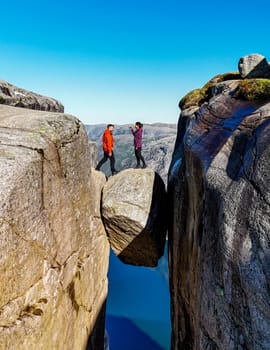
(104, 160)
(139, 157)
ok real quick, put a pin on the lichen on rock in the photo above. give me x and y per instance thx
(253, 90)
(197, 97)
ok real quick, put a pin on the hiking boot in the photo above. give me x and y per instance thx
(115, 172)
(144, 166)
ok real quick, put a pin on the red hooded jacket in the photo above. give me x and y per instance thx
(108, 141)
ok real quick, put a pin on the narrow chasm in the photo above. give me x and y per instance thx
(138, 306)
(134, 212)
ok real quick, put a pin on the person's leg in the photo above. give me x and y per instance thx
(143, 161)
(102, 161)
(112, 163)
(137, 155)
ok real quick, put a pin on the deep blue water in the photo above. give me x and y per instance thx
(138, 306)
(124, 334)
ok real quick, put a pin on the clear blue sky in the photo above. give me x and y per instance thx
(125, 60)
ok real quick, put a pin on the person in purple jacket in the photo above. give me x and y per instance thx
(137, 133)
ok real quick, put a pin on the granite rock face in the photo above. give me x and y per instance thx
(134, 210)
(53, 247)
(93, 153)
(219, 235)
(254, 66)
(18, 97)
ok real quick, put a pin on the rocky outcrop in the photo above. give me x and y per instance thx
(219, 236)
(134, 210)
(254, 66)
(18, 97)
(53, 247)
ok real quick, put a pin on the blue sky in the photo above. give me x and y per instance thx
(126, 60)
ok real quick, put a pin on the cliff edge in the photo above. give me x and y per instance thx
(53, 247)
(219, 237)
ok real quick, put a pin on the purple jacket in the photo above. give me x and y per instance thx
(137, 137)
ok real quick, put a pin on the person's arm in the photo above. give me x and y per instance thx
(104, 142)
(139, 138)
(131, 129)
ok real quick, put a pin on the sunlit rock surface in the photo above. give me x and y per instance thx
(219, 236)
(254, 66)
(18, 97)
(134, 210)
(53, 247)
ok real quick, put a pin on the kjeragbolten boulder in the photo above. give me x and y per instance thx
(135, 217)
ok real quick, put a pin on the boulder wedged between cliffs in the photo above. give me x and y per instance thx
(134, 211)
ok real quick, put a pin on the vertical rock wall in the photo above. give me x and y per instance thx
(220, 227)
(53, 248)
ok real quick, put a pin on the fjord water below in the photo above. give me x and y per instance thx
(138, 306)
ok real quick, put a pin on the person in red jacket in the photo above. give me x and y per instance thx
(108, 144)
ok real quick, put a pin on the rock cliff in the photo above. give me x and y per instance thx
(219, 233)
(53, 247)
(18, 97)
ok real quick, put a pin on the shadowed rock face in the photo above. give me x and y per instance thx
(17, 97)
(134, 211)
(53, 247)
(219, 236)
